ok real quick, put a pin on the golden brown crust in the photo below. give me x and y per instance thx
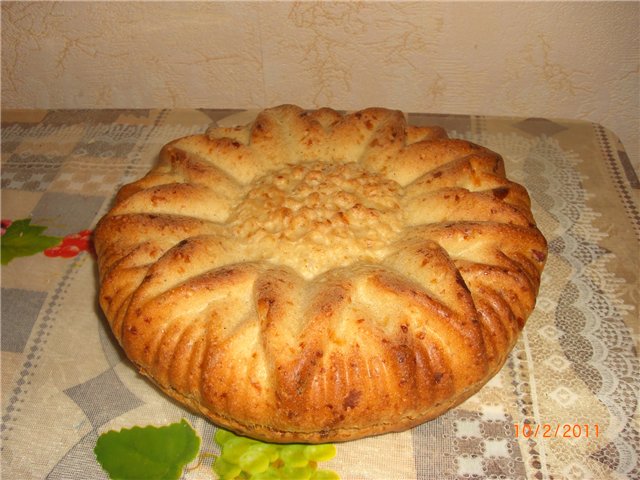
(316, 276)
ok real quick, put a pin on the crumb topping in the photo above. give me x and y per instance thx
(317, 216)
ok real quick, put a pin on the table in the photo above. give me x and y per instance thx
(564, 406)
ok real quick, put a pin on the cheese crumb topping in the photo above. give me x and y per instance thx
(317, 216)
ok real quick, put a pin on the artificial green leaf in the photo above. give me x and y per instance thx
(22, 239)
(148, 452)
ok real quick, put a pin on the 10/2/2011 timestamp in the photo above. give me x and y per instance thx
(557, 430)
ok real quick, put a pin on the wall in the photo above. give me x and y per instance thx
(556, 59)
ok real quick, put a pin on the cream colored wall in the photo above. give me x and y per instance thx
(554, 59)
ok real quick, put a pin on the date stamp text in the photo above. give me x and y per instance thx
(557, 430)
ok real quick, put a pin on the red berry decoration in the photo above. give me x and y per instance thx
(4, 224)
(80, 241)
(72, 245)
(52, 251)
(69, 251)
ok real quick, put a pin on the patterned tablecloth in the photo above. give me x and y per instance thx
(564, 406)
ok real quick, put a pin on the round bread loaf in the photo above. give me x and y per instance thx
(317, 276)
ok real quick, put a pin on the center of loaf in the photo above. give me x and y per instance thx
(317, 216)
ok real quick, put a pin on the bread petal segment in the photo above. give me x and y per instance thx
(501, 264)
(320, 276)
(127, 246)
(180, 199)
(461, 205)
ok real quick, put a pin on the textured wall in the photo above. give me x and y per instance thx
(557, 59)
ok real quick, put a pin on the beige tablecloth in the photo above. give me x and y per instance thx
(564, 406)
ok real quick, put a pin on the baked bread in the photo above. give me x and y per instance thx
(317, 276)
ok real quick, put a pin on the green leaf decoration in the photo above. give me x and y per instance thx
(22, 239)
(148, 452)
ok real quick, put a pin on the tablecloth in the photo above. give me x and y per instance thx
(564, 406)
